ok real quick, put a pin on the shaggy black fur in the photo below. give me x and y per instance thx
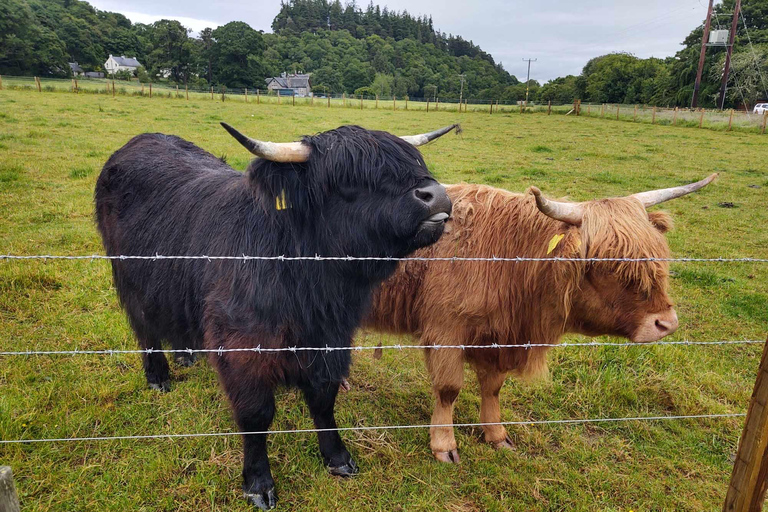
(359, 194)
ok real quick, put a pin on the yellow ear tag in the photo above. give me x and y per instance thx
(554, 241)
(281, 203)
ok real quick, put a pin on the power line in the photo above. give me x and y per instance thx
(754, 55)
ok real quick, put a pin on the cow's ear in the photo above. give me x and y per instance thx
(660, 221)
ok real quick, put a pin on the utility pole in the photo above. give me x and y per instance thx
(528, 79)
(461, 92)
(704, 40)
(731, 36)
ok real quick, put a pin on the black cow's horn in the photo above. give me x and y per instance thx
(276, 151)
(572, 213)
(653, 197)
(423, 138)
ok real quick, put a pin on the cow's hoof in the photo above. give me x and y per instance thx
(345, 470)
(504, 444)
(185, 360)
(266, 500)
(451, 457)
(163, 387)
(344, 385)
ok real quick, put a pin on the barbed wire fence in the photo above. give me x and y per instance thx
(220, 351)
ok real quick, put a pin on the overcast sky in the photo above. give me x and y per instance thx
(562, 34)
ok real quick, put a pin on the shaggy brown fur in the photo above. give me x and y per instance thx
(481, 303)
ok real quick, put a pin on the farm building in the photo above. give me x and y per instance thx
(76, 69)
(121, 63)
(290, 84)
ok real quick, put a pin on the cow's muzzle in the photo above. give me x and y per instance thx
(656, 326)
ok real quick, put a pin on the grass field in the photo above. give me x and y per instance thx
(51, 149)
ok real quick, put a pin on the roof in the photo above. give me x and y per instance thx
(130, 62)
(75, 67)
(290, 81)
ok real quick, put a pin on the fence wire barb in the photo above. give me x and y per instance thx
(220, 351)
(515, 259)
(381, 427)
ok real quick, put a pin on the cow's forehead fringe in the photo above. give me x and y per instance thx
(620, 228)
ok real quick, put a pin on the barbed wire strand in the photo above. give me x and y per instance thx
(360, 348)
(381, 427)
(514, 259)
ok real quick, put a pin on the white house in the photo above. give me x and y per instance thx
(122, 63)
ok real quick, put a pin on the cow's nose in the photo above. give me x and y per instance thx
(434, 197)
(667, 322)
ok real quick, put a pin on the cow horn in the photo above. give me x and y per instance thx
(653, 197)
(572, 213)
(275, 151)
(423, 138)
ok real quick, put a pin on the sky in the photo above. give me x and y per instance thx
(562, 35)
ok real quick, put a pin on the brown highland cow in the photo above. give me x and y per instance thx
(508, 303)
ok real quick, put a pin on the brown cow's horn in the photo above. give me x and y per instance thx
(572, 213)
(423, 138)
(275, 151)
(653, 197)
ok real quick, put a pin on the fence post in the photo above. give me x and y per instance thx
(294, 99)
(150, 89)
(278, 97)
(211, 92)
(246, 95)
(343, 99)
(9, 500)
(765, 118)
(617, 111)
(437, 104)
(653, 117)
(746, 490)
(329, 101)
(730, 120)
(589, 108)
(39, 87)
(1, 82)
(427, 105)
(223, 92)
(634, 117)
(258, 96)
(549, 107)
(577, 107)
(521, 107)
(361, 102)
(674, 119)
(394, 103)
(406, 103)
(186, 91)
(312, 99)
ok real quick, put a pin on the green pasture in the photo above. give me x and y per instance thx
(52, 147)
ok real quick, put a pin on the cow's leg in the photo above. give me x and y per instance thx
(253, 404)
(491, 381)
(335, 455)
(446, 368)
(155, 364)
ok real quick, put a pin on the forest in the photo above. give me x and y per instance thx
(365, 51)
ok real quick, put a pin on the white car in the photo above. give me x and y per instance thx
(760, 108)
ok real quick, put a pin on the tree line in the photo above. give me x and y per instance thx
(365, 51)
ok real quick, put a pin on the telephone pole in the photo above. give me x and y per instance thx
(704, 40)
(461, 92)
(528, 80)
(731, 36)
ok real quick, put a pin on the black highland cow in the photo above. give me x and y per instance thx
(349, 191)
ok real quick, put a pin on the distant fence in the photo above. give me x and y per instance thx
(723, 120)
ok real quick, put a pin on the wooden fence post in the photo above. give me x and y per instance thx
(211, 92)
(186, 91)
(223, 92)
(294, 99)
(730, 120)
(746, 491)
(765, 118)
(361, 102)
(39, 85)
(406, 103)
(427, 105)
(258, 96)
(329, 101)
(113, 87)
(549, 107)
(437, 104)
(653, 117)
(1, 82)
(674, 119)
(9, 500)
(278, 97)
(617, 111)
(377, 102)
(150, 89)
(491, 111)
(343, 99)
(394, 103)
(602, 109)
(589, 108)
(246, 95)
(521, 107)
(634, 117)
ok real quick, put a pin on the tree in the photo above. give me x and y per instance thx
(26, 46)
(173, 51)
(238, 55)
